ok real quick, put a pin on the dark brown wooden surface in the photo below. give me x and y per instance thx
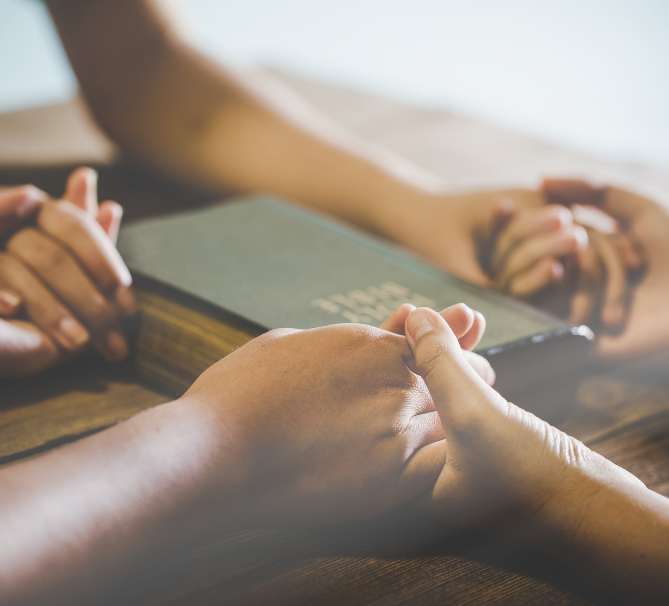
(623, 414)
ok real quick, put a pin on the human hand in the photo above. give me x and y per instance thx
(645, 329)
(467, 325)
(324, 425)
(455, 231)
(62, 282)
(500, 459)
(571, 261)
(531, 250)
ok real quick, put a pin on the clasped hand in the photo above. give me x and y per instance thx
(63, 285)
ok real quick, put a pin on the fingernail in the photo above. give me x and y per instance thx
(126, 300)
(581, 237)
(505, 206)
(420, 322)
(124, 276)
(564, 216)
(30, 202)
(9, 302)
(557, 270)
(115, 347)
(73, 335)
(556, 219)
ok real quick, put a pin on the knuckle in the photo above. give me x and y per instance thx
(5, 261)
(62, 218)
(96, 312)
(29, 191)
(431, 352)
(38, 251)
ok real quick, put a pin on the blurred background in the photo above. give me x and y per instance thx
(592, 75)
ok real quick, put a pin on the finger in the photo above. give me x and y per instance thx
(18, 203)
(41, 306)
(422, 470)
(109, 218)
(395, 322)
(585, 296)
(475, 333)
(545, 272)
(615, 290)
(25, 350)
(451, 380)
(92, 248)
(527, 224)
(582, 305)
(82, 190)
(631, 252)
(459, 317)
(572, 191)
(58, 269)
(10, 302)
(503, 209)
(571, 240)
(424, 429)
(595, 218)
(481, 366)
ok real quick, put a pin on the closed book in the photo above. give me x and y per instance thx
(211, 279)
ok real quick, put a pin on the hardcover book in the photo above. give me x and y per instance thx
(211, 279)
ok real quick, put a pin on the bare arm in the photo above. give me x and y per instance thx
(75, 518)
(189, 117)
(506, 464)
(244, 446)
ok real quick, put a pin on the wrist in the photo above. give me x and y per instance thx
(218, 464)
(578, 503)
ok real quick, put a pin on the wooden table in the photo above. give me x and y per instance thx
(623, 414)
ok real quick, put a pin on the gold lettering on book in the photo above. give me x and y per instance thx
(373, 304)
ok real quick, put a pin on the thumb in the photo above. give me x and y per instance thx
(109, 218)
(439, 360)
(81, 189)
(17, 203)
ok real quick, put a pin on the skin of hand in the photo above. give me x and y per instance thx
(468, 326)
(504, 466)
(573, 270)
(298, 370)
(62, 282)
(531, 249)
(644, 331)
(299, 427)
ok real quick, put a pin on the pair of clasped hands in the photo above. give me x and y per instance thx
(63, 285)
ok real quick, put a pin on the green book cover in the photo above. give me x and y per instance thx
(278, 265)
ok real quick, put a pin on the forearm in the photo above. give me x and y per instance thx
(616, 531)
(73, 519)
(188, 116)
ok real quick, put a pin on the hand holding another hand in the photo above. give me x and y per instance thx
(645, 325)
(572, 260)
(499, 458)
(507, 470)
(63, 285)
(329, 424)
